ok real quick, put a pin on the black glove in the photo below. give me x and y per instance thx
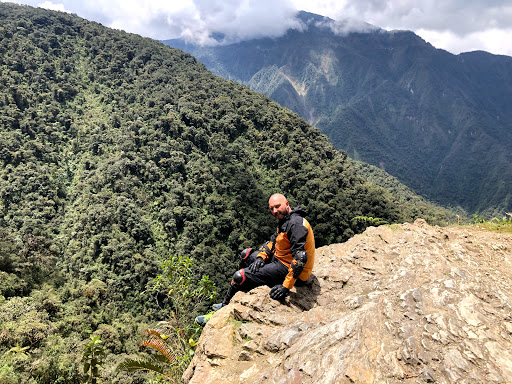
(279, 292)
(255, 267)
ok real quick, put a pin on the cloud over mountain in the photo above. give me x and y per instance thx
(453, 25)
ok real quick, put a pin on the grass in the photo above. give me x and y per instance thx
(495, 224)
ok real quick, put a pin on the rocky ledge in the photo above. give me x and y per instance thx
(405, 303)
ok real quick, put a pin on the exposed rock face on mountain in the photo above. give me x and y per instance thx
(408, 303)
(438, 122)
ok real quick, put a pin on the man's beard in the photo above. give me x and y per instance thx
(279, 215)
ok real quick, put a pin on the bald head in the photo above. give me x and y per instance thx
(279, 206)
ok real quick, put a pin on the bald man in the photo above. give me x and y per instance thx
(284, 261)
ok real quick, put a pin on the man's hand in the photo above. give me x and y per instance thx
(255, 267)
(279, 292)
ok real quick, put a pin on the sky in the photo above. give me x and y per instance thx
(453, 25)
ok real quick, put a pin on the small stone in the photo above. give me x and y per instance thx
(250, 346)
(215, 362)
(455, 359)
(428, 375)
(244, 356)
(353, 302)
(424, 357)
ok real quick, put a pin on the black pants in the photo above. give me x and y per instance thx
(271, 274)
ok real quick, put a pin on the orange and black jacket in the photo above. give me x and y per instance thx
(293, 234)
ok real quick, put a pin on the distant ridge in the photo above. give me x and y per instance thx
(440, 123)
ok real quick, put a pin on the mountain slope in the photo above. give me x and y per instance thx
(118, 152)
(440, 123)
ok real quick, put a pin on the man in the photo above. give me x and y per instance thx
(286, 260)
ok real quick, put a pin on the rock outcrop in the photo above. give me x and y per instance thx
(405, 303)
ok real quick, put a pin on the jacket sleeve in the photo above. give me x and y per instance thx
(297, 235)
(265, 251)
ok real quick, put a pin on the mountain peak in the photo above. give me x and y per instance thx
(394, 303)
(339, 27)
(309, 18)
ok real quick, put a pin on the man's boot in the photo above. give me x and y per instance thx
(202, 320)
(218, 306)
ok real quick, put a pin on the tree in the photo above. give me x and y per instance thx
(92, 358)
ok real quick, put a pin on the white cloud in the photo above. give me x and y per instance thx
(192, 19)
(454, 25)
(345, 26)
(493, 40)
(196, 20)
(458, 16)
(53, 6)
(330, 8)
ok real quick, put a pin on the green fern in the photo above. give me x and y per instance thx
(160, 346)
(170, 344)
(170, 359)
(151, 364)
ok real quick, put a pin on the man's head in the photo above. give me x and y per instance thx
(279, 206)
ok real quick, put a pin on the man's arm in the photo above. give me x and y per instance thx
(297, 235)
(267, 249)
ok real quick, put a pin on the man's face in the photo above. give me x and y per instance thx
(279, 207)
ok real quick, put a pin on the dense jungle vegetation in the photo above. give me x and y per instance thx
(119, 154)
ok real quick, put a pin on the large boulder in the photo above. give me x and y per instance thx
(405, 303)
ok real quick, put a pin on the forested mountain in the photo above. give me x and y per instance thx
(440, 123)
(118, 152)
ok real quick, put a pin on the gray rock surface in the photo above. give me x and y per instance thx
(405, 303)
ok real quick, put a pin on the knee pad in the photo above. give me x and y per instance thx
(239, 277)
(245, 253)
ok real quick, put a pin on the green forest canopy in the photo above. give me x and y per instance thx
(118, 151)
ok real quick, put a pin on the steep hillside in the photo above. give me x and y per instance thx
(408, 303)
(440, 123)
(118, 152)
(405, 196)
